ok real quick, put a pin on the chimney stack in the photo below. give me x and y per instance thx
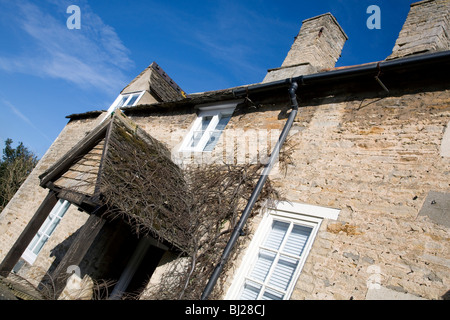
(426, 29)
(317, 46)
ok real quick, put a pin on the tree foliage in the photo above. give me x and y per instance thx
(15, 166)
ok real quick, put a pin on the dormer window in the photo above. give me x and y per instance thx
(208, 127)
(124, 100)
(128, 100)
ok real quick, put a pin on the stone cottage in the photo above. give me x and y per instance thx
(360, 157)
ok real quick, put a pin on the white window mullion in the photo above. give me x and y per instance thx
(187, 142)
(261, 283)
(288, 233)
(126, 101)
(263, 287)
(207, 134)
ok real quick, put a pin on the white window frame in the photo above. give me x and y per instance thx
(115, 104)
(55, 215)
(216, 111)
(296, 213)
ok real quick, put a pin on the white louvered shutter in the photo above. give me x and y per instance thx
(277, 261)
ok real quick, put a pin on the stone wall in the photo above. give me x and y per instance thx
(28, 198)
(377, 160)
(374, 158)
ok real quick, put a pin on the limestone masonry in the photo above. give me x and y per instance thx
(380, 158)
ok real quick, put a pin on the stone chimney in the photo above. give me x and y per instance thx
(317, 46)
(426, 29)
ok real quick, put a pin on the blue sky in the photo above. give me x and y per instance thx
(48, 71)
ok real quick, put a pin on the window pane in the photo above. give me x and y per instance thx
(46, 224)
(276, 235)
(33, 242)
(133, 99)
(272, 295)
(284, 270)
(40, 244)
(205, 122)
(215, 135)
(64, 206)
(250, 291)
(57, 208)
(212, 141)
(196, 136)
(122, 101)
(52, 221)
(52, 227)
(262, 265)
(297, 240)
(223, 122)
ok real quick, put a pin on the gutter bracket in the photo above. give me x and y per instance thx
(377, 78)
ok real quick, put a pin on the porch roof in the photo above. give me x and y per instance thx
(123, 170)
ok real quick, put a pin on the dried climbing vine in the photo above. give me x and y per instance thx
(219, 194)
(195, 209)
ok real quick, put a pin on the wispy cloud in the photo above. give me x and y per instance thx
(231, 34)
(235, 36)
(24, 118)
(93, 56)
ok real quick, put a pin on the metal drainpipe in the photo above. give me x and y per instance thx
(237, 232)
